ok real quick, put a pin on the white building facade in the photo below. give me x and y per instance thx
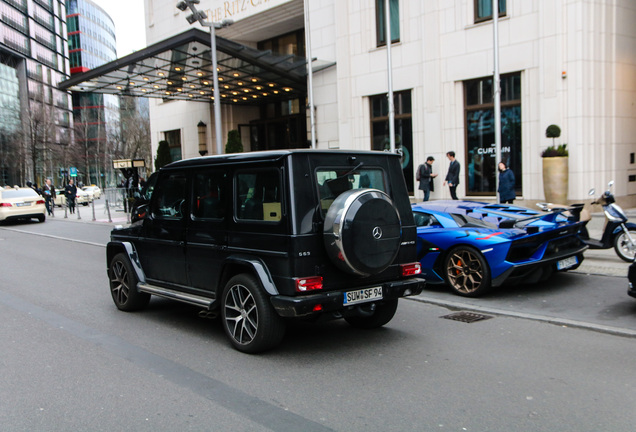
(566, 62)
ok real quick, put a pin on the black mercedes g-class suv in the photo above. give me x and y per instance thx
(262, 237)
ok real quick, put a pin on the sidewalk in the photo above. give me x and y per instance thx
(85, 214)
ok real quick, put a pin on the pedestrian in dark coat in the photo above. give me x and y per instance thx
(452, 177)
(69, 192)
(48, 192)
(425, 176)
(506, 187)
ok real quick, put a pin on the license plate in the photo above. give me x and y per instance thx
(362, 295)
(22, 204)
(567, 263)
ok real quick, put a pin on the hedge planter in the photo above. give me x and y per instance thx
(555, 179)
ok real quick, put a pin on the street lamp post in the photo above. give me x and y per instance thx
(201, 16)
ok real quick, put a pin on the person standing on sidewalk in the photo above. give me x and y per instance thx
(506, 184)
(452, 177)
(69, 192)
(48, 191)
(425, 176)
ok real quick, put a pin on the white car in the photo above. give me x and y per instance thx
(92, 189)
(81, 197)
(21, 203)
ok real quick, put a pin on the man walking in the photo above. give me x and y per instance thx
(70, 191)
(452, 177)
(48, 191)
(425, 176)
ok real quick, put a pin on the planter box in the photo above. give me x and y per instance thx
(555, 179)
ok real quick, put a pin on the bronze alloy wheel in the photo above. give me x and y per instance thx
(467, 272)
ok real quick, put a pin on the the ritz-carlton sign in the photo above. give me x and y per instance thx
(238, 9)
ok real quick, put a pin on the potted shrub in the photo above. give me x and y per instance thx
(234, 144)
(555, 168)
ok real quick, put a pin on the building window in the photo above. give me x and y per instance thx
(403, 129)
(380, 21)
(483, 10)
(174, 142)
(480, 133)
(288, 44)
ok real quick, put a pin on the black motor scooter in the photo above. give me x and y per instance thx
(617, 232)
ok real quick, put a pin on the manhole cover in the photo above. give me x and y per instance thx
(467, 317)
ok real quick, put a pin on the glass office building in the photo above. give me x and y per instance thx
(91, 42)
(33, 60)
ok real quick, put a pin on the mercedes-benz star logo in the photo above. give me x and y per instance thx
(377, 233)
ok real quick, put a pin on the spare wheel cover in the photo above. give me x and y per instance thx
(362, 231)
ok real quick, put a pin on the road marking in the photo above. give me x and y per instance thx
(55, 237)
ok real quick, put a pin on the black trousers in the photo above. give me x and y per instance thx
(453, 191)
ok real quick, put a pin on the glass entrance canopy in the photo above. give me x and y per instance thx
(181, 68)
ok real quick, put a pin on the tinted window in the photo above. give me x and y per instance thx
(425, 220)
(209, 195)
(170, 196)
(332, 182)
(258, 195)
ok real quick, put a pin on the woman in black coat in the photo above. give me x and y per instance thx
(506, 184)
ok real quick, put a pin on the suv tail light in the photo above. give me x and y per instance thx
(309, 283)
(411, 269)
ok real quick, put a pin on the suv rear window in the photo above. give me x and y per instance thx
(259, 195)
(334, 181)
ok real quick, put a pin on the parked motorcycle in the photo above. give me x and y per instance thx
(617, 232)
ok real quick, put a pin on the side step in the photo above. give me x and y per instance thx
(192, 299)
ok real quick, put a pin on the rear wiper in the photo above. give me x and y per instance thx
(352, 170)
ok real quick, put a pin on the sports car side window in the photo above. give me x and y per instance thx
(425, 220)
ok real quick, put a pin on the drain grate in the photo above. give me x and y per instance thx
(467, 317)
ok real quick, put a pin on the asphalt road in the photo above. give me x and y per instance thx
(71, 361)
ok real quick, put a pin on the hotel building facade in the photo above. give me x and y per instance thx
(566, 62)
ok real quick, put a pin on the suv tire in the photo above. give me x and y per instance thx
(362, 231)
(249, 320)
(123, 285)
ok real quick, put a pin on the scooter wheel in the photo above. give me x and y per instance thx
(623, 247)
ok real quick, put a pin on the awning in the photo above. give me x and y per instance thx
(181, 68)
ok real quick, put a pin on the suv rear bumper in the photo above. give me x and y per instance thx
(332, 301)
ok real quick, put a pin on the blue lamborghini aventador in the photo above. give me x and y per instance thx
(473, 246)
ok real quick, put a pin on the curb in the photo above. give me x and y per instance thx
(563, 322)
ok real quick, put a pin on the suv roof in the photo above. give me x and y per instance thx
(270, 155)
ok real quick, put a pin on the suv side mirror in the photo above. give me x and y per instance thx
(139, 212)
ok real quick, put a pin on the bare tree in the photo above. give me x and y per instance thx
(131, 140)
(36, 139)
